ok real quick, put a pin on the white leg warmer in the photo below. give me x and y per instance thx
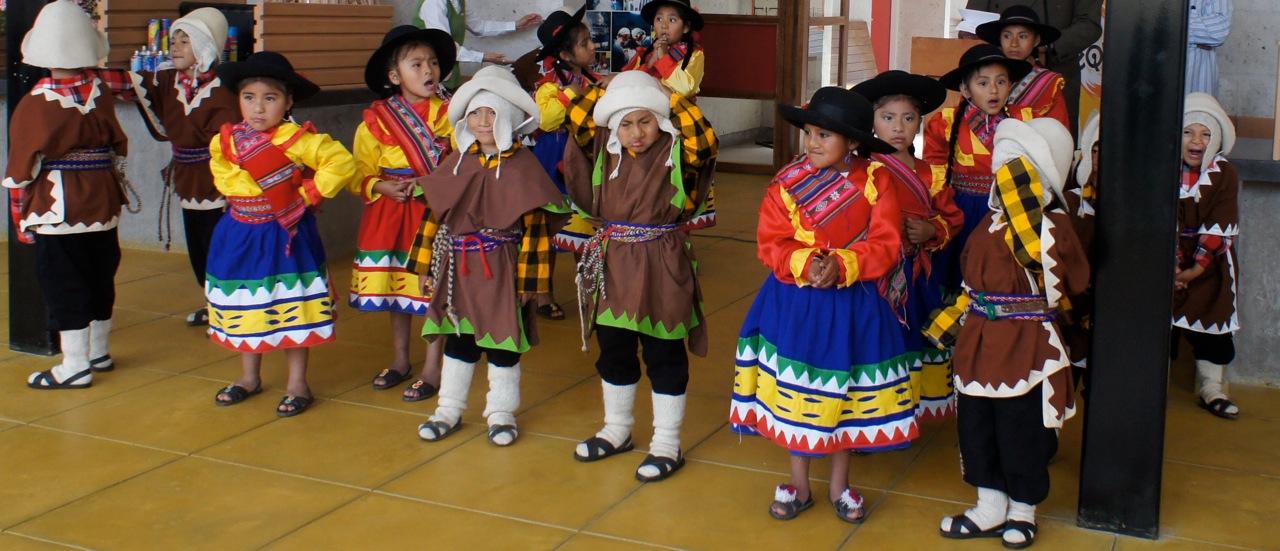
(100, 344)
(991, 510)
(619, 415)
(1019, 511)
(455, 383)
(1210, 380)
(504, 395)
(668, 414)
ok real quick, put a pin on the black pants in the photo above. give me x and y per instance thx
(464, 348)
(198, 225)
(667, 360)
(1218, 349)
(77, 273)
(1005, 446)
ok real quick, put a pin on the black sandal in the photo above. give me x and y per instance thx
(666, 467)
(843, 508)
(499, 430)
(959, 522)
(1219, 407)
(551, 311)
(102, 364)
(45, 380)
(390, 378)
(1027, 529)
(199, 318)
(439, 430)
(599, 448)
(298, 404)
(784, 497)
(420, 390)
(235, 394)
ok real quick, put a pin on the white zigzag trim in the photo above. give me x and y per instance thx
(204, 204)
(79, 227)
(204, 92)
(899, 374)
(389, 261)
(1035, 377)
(1231, 230)
(1203, 180)
(145, 102)
(57, 210)
(274, 340)
(264, 297)
(69, 102)
(794, 436)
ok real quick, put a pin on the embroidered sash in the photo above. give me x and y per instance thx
(820, 194)
(276, 174)
(421, 146)
(1029, 91)
(984, 126)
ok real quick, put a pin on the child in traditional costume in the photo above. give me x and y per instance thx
(486, 243)
(929, 216)
(822, 368)
(1019, 34)
(187, 106)
(676, 60)
(566, 57)
(1080, 199)
(636, 282)
(403, 138)
(958, 141)
(64, 176)
(1012, 370)
(268, 285)
(1204, 303)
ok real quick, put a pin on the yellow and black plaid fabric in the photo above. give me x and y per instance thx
(944, 323)
(698, 139)
(420, 253)
(581, 124)
(533, 264)
(1020, 192)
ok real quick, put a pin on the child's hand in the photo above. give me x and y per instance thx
(394, 190)
(605, 80)
(426, 283)
(919, 231)
(660, 49)
(1185, 277)
(823, 271)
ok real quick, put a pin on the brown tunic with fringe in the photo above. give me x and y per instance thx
(1208, 304)
(188, 124)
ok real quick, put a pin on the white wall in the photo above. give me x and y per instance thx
(914, 18)
(1247, 62)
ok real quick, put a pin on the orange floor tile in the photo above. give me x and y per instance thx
(145, 460)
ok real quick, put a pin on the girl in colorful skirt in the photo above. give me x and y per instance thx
(566, 57)
(403, 137)
(268, 285)
(822, 366)
(637, 286)
(958, 141)
(486, 244)
(929, 216)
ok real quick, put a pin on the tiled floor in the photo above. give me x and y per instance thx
(145, 460)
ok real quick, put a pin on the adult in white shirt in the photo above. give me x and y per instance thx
(1208, 25)
(453, 17)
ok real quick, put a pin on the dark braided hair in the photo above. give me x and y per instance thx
(959, 119)
(563, 73)
(687, 39)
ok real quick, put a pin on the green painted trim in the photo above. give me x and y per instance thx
(880, 370)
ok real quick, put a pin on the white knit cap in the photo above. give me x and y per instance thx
(496, 88)
(1202, 108)
(207, 29)
(1045, 142)
(63, 37)
(1088, 137)
(629, 92)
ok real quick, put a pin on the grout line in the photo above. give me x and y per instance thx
(43, 540)
(313, 520)
(474, 510)
(110, 439)
(626, 540)
(285, 473)
(1219, 468)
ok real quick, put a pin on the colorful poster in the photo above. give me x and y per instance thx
(618, 32)
(1091, 76)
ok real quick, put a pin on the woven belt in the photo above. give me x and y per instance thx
(397, 174)
(251, 210)
(445, 249)
(973, 184)
(590, 277)
(83, 159)
(1015, 307)
(192, 156)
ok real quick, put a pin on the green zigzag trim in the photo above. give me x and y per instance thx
(880, 370)
(376, 257)
(645, 326)
(292, 281)
(446, 328)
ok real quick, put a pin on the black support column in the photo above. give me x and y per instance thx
(28, 315)
(1145, 58)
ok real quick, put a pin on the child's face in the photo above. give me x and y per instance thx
(669, 25)
(417, 74)
(897, 122)
(1018, 42)
(180, 51)
(988, 88)
(264, 105)
(1195, 140)
(639, 130)
(1094, 158)
(580, 52)
(480, 122)
(826, 148)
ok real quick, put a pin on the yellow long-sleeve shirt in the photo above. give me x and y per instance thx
(375, 150)
(333, 164)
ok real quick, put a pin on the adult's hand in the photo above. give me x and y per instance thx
(500, 59)
(528, 21)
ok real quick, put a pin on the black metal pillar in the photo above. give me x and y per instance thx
(1145, 58)
(28, 315)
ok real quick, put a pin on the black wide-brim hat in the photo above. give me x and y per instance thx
(841, 111)
(1017, 15)
(930, 93)
(556, 29)
(375, 70)
(981, 55)
(269, 65)
(691, 15)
